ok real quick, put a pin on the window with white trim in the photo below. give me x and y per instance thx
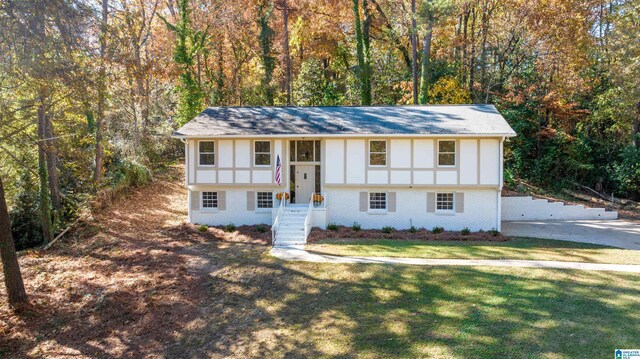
(206, 150)
(209, 200)
(444, 202)
(262, 153)
(377, 201)
(265, 199)
(447, 153)
(377, 153)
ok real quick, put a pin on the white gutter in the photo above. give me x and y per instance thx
(364, 135)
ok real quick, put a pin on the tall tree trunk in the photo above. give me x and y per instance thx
(465, 25)
(366, 42)
(486, 13)
(425, 78)
(414, 53)
(97, 175)
(220, 81)
(287, 57)
(472, 55)
(365, 97)
(265, 10)
(636, 127)
(50, 145)
(134, 112)
(141, 95)
(12, 277)
(45, 199)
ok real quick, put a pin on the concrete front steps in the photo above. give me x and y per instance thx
(291, 230)
(529, 209)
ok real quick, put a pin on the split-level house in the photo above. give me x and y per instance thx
(294, 168)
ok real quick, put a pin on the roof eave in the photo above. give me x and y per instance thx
(351, 135)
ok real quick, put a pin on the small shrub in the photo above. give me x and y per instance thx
(126, 174)
(332, 227)
(261, 228)
(413, 229)
(356, 226)
(25, 216)
(202, 228)
(387, 229)
(494, 232)
(437, 229)
(465, 231)
(230, 227)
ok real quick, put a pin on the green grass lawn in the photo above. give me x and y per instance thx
(517, 248)
(261, 306)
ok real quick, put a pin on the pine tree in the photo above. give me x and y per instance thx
(265, 10)
(190, 95)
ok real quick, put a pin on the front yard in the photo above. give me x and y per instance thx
(516, 248)
(138, 283)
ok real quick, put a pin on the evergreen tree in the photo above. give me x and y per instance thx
(265, 10)
(189, 42)
(25, 223)
(363, 52)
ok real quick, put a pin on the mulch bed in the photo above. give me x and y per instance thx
(255, 234)
(344, 232)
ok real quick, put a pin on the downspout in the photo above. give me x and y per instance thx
(186, 162)
(186, 177)
(501, 180)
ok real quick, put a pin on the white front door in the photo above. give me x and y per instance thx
(305, 182)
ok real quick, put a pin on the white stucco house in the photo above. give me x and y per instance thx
(397, 166)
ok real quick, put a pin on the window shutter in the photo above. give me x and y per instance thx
(459, 202)
(364, 201)
(251, 201)
(391, 201)
(222, 200)
(431, 202)
(195, 200)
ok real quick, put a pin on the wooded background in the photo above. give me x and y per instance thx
(91, 90)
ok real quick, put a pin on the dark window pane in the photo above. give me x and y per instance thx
(265, 199)
(378, 159)
(446, 159)
(378, 146)
(207, 146)
(305, 151)
(292, 183)
(292, 150)
(377, 200)
(207, 159)
(209, 199)
(317, 179)
(263, 159)
(317, 151)
(447, 146)
(263, 146)
(444, 202)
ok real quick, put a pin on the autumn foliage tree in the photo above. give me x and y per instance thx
(91, 91)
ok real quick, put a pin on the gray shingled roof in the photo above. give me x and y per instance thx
(373, 120)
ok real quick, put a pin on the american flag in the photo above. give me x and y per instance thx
(278, 170)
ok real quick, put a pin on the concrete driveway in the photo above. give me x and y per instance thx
(615, 233)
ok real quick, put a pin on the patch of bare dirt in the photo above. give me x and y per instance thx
(343, 232)
(125, 284)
